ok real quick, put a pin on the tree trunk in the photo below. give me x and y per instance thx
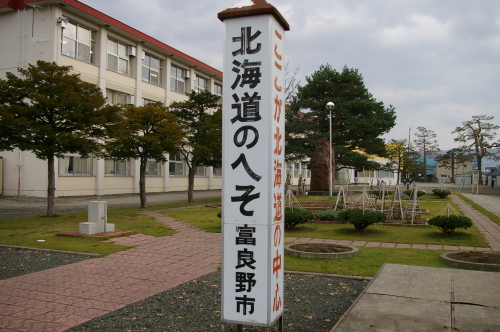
(425, 167)
(191, 181)
(142, 182)
(51, 188)
(452, 168)
(479, 165)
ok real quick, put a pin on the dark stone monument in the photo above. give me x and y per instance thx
(320, 173)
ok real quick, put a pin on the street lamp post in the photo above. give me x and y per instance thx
(330, 106)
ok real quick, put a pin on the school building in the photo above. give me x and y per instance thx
(129, 66)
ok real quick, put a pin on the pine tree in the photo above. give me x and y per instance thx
(358, 119)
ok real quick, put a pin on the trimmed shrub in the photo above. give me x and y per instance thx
(361, 220)
(447, 225)
(296, 216)
(328, 215)
(419, 192)
(378, 193)
(441, 193)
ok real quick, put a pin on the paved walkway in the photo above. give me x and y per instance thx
(60, 298)
(63, 297)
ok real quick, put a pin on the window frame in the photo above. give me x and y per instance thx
(175, 161)
(217, 172)
(119, 57)
(147, 57)
(200, 79)
(78, 42)
(158, 166)
(73, 164)
(127, 98)
(115, 168)
(177, 79)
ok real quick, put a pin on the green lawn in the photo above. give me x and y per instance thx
(206, 218)
(367, 262)
(25, 232)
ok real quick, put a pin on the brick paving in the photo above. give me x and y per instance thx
(63, 297)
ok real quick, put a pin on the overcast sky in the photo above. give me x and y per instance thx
(436, 61)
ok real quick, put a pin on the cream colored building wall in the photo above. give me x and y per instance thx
(154, 184)
(76, 186)
(45, 44)
(118, 185)
(88, 72)
(30, 178)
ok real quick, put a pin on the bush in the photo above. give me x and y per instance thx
(447, 225)
(296, 216)
(361, 220)
(419, 192)
(442, 193)
(328, 215)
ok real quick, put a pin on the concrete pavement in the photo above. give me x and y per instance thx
(417, 298)
(23, 207)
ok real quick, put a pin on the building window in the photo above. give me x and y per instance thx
(305, 172)
(75, 165)
(217, 172)
(384, 174)
(116, 98)
(153, 168)
(178, 78)
(78, 42)
(296, 170)
(117, 167)
(176, 165)
(118, 57)
(150, 69)
(201, 171)
(218, 89)
(145, 101)
(200, 83)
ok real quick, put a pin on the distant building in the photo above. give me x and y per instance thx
(129, 66)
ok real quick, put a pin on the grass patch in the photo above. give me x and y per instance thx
(25, 232)
(421, 234)
(201, 217)
(367, 262)
(206, 219)
(481, 209)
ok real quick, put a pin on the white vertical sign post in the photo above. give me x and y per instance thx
(253, 164)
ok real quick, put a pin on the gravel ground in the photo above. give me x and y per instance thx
(312, 302)
(17, 262)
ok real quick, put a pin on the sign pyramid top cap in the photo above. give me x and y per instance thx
(253, 8)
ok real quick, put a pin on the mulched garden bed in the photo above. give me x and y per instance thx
(476, 257)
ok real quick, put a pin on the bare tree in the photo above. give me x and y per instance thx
(291, 83)
(427, 144)
(478, 135)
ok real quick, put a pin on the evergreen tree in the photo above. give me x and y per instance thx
(50, 112)
(454, 159)
(201, 118)
(358, 119)
(144, 133)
